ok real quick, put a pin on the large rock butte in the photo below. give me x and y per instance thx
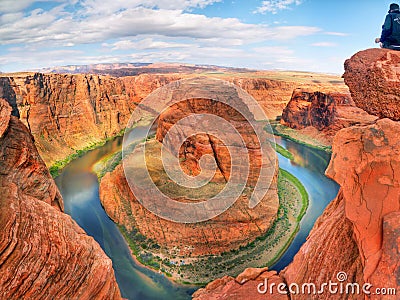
(327, 112)
(236, 227)
(44, 254)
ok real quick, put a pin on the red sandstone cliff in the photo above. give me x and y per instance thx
(366, 163)
(44, 254)
(68, 112)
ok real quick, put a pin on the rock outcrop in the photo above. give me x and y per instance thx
(44, 254)
(373, 78)
(327, 112)
(274, 94)
(366, 163)
(243, 286)
(329, 250)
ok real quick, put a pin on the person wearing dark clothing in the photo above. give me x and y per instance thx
(390, 37)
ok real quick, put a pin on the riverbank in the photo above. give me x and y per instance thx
(56, 168)
(301, 137)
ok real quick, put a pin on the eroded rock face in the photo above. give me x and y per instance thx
(274, 95)
(204, 144)
(327, 112)
(387, 272)
(373, 77)
(43, 252)
(359, 231)
(366, 163)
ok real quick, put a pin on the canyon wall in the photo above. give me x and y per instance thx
(43, 252)
(67, 112)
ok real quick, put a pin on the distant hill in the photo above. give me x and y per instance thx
(132, 69)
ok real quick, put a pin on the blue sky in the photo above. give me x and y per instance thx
(306, 35)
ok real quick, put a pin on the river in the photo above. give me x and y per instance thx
(80, 190)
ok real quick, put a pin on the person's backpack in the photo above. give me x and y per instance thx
(395, 36)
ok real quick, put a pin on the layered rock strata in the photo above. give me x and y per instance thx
(358, 233)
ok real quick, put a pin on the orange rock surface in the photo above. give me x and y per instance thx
(43, 252)
(373, 78)
(65, 113)
(330, 248)
(359, 232)
(366, 163)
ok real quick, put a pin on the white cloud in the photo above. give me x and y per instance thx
(144, 44)
(273, 6)
(96, 7)
(324, 44)
(13, 6)
(336, 33)
(60, 27)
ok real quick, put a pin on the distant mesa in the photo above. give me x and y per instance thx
(133, 69)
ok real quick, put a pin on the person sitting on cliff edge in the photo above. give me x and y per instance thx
(390, 38)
